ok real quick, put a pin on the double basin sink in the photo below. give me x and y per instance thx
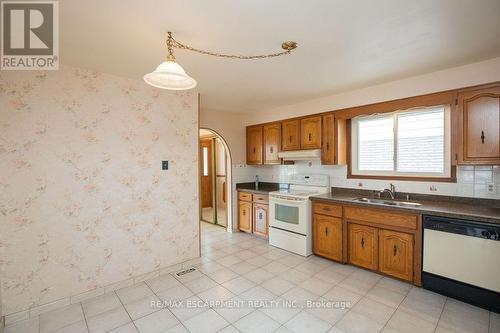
(388, 202)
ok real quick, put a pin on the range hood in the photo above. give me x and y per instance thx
(300, 155)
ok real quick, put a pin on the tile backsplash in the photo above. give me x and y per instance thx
(472, 181)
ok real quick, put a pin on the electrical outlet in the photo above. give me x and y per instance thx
(491, 188)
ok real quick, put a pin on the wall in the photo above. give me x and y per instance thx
(448, 79)
(83, 200)
(471, 181)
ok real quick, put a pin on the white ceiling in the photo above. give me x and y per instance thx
(343, 44)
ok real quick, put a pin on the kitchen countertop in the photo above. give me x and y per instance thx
(264, 188)
(461, 208)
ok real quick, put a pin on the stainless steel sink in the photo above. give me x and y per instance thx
(388, 202)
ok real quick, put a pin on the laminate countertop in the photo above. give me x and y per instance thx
(482, 210)
(264, 188)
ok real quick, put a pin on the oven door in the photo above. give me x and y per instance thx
(289, 214)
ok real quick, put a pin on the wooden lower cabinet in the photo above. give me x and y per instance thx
(260, 219)
(253, 210)
(327, 236)
(245, 216)
(396, 254)
(363, 246)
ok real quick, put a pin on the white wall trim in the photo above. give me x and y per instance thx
(77, 298)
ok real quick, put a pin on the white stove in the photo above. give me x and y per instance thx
(290, 222)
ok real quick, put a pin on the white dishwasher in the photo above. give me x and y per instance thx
(461, 259)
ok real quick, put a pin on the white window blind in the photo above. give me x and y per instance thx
(404, 143)
(421, 141)
(376, 143)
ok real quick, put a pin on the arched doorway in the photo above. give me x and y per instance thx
(215, 179)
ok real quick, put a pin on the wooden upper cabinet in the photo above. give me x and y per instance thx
(245, 216)
(254, 145)
(291, 134)
(363, 246)
(479, 126)
(396, 254)
(310, 132)
(327, 236)
(272, 143)
(333, 143)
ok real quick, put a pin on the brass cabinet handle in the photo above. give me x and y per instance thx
(394, 250)
(326, 231)
(309, 136)
(326, 209)
(243, 212)
(328, 146)
(362, 242)
(482, 137)
(254, 150)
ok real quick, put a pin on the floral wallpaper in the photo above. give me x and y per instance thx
(83, 200)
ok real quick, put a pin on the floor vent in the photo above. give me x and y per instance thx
(186, 271)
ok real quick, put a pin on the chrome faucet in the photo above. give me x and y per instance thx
(391, 190)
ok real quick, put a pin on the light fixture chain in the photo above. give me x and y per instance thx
(179, 45)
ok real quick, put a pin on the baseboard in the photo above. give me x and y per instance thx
(80, 297)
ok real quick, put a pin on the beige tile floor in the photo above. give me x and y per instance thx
(238, 268)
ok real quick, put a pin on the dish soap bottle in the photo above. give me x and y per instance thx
(256, 182)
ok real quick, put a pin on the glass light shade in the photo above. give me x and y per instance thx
(170, 75)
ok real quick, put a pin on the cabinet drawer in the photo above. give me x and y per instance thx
(327, 209)
(244, 196)
(261, 198)
(378, 216)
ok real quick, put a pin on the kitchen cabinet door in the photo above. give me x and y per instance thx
(260, 220)
(291, 134)
(272, 143)
(480, 126)
(310, 132)
(396, 254)
(327, 236)
(333, 142)
(363, 246)
(245, 216)
(254, 145)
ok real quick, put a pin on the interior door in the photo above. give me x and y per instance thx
(206, 173)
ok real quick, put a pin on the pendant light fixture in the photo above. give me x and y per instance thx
(171, 76)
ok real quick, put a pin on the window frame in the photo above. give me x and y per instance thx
(449, 174)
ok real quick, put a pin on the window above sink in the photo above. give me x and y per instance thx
(407, 144)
